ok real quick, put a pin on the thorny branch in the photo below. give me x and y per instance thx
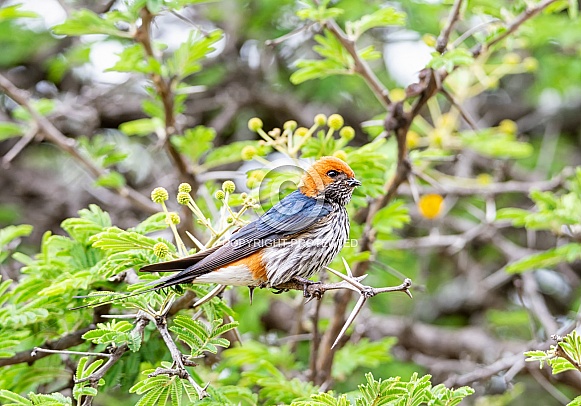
(179, 363)
(398, 122)
(70, 146)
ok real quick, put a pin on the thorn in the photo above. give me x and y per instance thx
(347, 268)
(354, 313)
(251, 289)
(407, 292)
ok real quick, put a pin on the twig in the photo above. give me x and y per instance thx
(361, 67)
(444, 36)
(20, 145)
(179, 367)
(62, 343)
(514, 25)
(70, 146)
(460, 109)
(117, 353)
(88, 354)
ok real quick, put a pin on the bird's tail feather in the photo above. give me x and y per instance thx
(179, 264)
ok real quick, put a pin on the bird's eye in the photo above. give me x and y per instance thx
(332, 174)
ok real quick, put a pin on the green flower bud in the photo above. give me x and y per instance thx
(254, 124)
(290, 125)
(183, 198)
(161, 250)
(159, 195)
(248, 152)
(347, 133)
(184, 187)
(320, 119)
(173, 218)
(220, 195)
(335, 121)
(243, 196)
(229, 186)
(230, 220)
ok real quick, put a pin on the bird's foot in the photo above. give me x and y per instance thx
(311, 289)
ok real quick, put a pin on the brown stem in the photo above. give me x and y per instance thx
(361, 67)
(444, 36)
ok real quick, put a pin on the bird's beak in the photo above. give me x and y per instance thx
(352, 182)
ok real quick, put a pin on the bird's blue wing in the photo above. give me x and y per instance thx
(292, 215)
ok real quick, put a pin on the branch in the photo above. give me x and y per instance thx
(115, 356)
(164, 90)
(179, 363)
(69, 145)
(62, 343)
(361, 67)
(444, 36)
(494, 188)
(514, 25)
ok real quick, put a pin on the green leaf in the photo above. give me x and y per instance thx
(451, 59)
(10, 233)
(186, 60)
(14, 12)
(337, 60)
(361, 354)
(565, 253)
(85, 21)
(381, 18)
(142, 126)
(14, 398)
(117, 240)
(112, 180)
(10, 130)
(393, 216)
(194, 142)
(318, 11)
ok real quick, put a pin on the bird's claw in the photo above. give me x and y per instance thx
(278, 291)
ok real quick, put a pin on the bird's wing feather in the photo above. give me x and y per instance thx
(292, 215)
(180, 264)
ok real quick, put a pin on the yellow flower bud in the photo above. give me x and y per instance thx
(508, 127)
(429, 40)
(301, 131)
(320, 120)
(183, 198)
(230, 220)
(530, 64)
(397, 95)
(347, 133)
(243, 196)
(412, 139)
(161, 250)
(290, 125)
(159, 195)
(431, 206)
(511, 58)
(335, 121)
(248, 152)
(254, 124)
(484, 179)
(173, 218)
(342, 155)
(220, 195)
(229, 186)
(185, 187)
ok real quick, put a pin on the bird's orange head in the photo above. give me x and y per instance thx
(331, 178)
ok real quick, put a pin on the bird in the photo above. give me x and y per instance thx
(294, 240)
